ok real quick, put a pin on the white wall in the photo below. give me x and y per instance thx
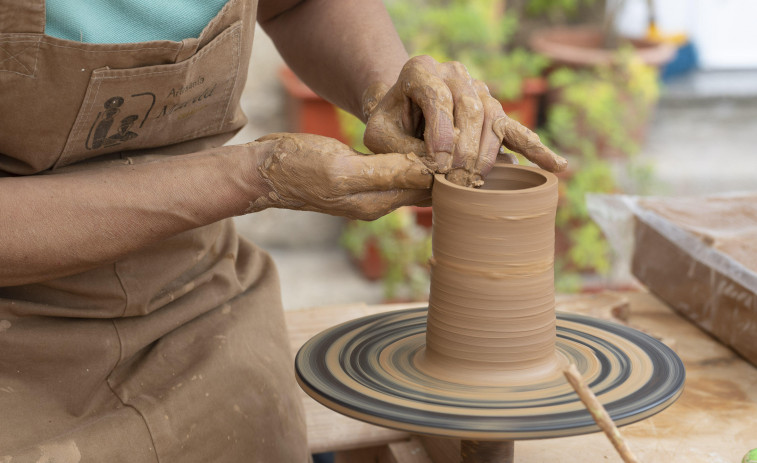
(724, 31)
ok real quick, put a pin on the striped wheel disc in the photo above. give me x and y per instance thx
(366, 369)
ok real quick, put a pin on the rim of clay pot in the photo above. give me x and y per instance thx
(540, 179)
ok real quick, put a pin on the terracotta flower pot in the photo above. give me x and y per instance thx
(583, 47)
(526, 109)
(371, 264)
(307, 112)
(423, 216)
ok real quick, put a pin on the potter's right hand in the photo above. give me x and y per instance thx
(315, 173)
(449, 119)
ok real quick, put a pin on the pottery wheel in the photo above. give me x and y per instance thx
(366, 369)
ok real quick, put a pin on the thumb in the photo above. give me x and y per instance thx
(383, 172)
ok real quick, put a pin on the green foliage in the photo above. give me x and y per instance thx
(566, 281)
(404, 247)
(605, 107)
(447, 30)
(471, 32)
(504, 72)
(556, 8)
(597, 119)
(353, 129)
(592, 175)
(589, 250)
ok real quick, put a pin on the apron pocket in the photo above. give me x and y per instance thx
(153, 106)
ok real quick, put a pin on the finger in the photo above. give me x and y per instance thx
(490, 144)
(383, 172)
(517, 138)
(506, 156)
(422, 84)
(384, 134)
(468, 115)
(272, 136)
(370, 205)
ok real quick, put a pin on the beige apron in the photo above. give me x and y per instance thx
(176, 353)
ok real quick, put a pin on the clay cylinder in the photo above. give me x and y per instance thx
(491, 317)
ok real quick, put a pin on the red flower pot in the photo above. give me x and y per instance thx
(308, 112)
(371, 264)
(526, 109)
(423, 216)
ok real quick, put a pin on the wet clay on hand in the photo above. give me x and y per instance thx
(520, 139)
(437, 111)
(491, 317)
(316, 173)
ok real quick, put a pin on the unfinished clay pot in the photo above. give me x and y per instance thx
(491, 315)
(485, 361)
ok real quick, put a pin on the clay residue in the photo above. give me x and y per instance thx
(728, 224)
(58, 452)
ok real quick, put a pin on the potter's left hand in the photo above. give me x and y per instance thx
(309, 172)
(437, 111)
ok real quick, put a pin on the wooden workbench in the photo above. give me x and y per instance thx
(714, 421)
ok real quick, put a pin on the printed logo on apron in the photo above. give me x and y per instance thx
(127, 109)
(99, 134)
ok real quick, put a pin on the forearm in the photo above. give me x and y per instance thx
(339, 48)
(60, 224)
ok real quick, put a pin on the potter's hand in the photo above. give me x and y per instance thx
(437, 111)
(315, 173)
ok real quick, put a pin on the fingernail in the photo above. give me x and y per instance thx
(422, 176)
(443, 161)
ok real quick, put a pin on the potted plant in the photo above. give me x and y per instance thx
(515, 80)
(393, 249)
(604, 109)
(597, 117)
(306, 111)
(477, 33)
(580, 248)
(586, 45)
(603, 91)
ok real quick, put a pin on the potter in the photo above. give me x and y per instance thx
(134, 321)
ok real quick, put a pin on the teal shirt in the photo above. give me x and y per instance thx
(128, 21)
